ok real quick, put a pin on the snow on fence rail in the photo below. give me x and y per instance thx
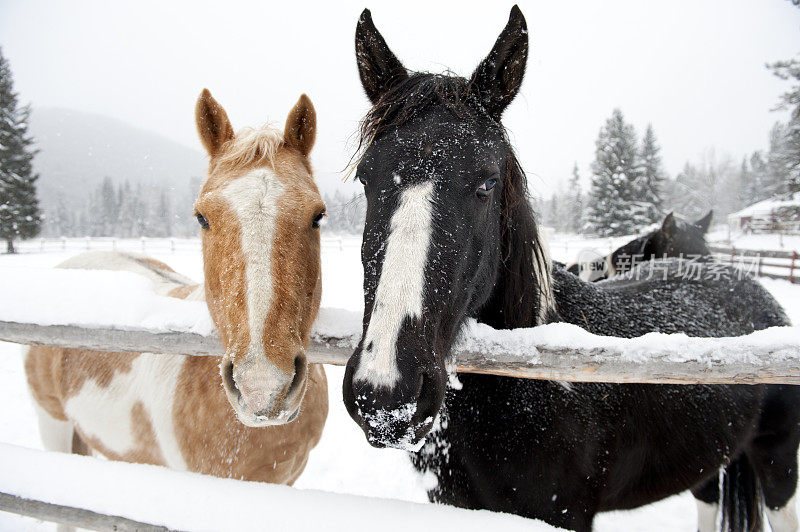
(145, 244)
(762, 263)
(108, 495)
(117, 311)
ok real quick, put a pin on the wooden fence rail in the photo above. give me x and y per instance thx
(674, 359)
(783, 260)
(73, 517)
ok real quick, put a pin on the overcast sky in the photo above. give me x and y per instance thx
(694, 69)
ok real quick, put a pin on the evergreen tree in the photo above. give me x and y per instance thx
(778, 164)
(651, 178)
(163, 215)
(552, 215)
(790, 71)
(743, 187)
(19, 206)
(109, 210)
(757, 189)
(709, 184)
(614, 205)
(575, 202)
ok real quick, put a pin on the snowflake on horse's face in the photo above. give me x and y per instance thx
(450, 234)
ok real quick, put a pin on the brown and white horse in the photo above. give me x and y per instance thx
(259, 209)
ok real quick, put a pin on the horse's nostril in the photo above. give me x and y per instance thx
(299, 374)
(427, 399)
(227, 377)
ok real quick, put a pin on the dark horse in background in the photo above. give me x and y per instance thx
(449, 235)
(674, 238)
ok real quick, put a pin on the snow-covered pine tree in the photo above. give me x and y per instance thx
(109, 213)
(19, 207)
(651, 177)
(778, 164)
(743, 186)
(163, 226)
(614, 208)
(574, 202)
(711, 183)
(790, 70)
(552, 217)
(757, 189)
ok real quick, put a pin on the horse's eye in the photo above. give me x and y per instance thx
(486, 188)
(317, 221)
(362, 179)
(202, 220)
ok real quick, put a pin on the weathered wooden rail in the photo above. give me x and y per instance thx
(787, 262)
(670, 359)
(71, 516)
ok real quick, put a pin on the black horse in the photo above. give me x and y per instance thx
(674, 238)
(450, 234)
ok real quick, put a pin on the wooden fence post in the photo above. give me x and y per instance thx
(791, 268)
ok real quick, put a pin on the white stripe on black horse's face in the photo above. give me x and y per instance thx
(430, 255)
(434, 171)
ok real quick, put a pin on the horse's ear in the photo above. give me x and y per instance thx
(705, 222)
(301, 126)
(648, 249)
(670, 225)
(498, 78)
(213, 125)
(378, 67)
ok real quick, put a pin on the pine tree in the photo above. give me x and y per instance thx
(614, 205)
(743, 187)
(19, 206)
(757, 189)
(552, 215)
(790, 71)
(711, 183)
(164, 215)
(109, 208)
(651, 178)
(778, 165)
(575, 202)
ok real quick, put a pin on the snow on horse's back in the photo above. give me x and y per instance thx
(259, 211)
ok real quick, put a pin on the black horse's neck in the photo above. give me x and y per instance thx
(522, 295)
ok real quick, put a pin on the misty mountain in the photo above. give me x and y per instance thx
(77, 150)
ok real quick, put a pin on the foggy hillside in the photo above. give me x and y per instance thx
(77, 150)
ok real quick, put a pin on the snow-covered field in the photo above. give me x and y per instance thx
(343, 462)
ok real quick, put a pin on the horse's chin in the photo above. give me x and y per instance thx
(255, 421)
(409, 438)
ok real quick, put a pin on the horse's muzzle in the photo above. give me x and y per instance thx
(399, 416)
(263, 395)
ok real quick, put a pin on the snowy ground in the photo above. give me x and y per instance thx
(343, 462)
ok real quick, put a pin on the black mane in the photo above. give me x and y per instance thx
(522, 296)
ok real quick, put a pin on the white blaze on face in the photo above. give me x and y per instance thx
(255, 200)
(400, 288)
